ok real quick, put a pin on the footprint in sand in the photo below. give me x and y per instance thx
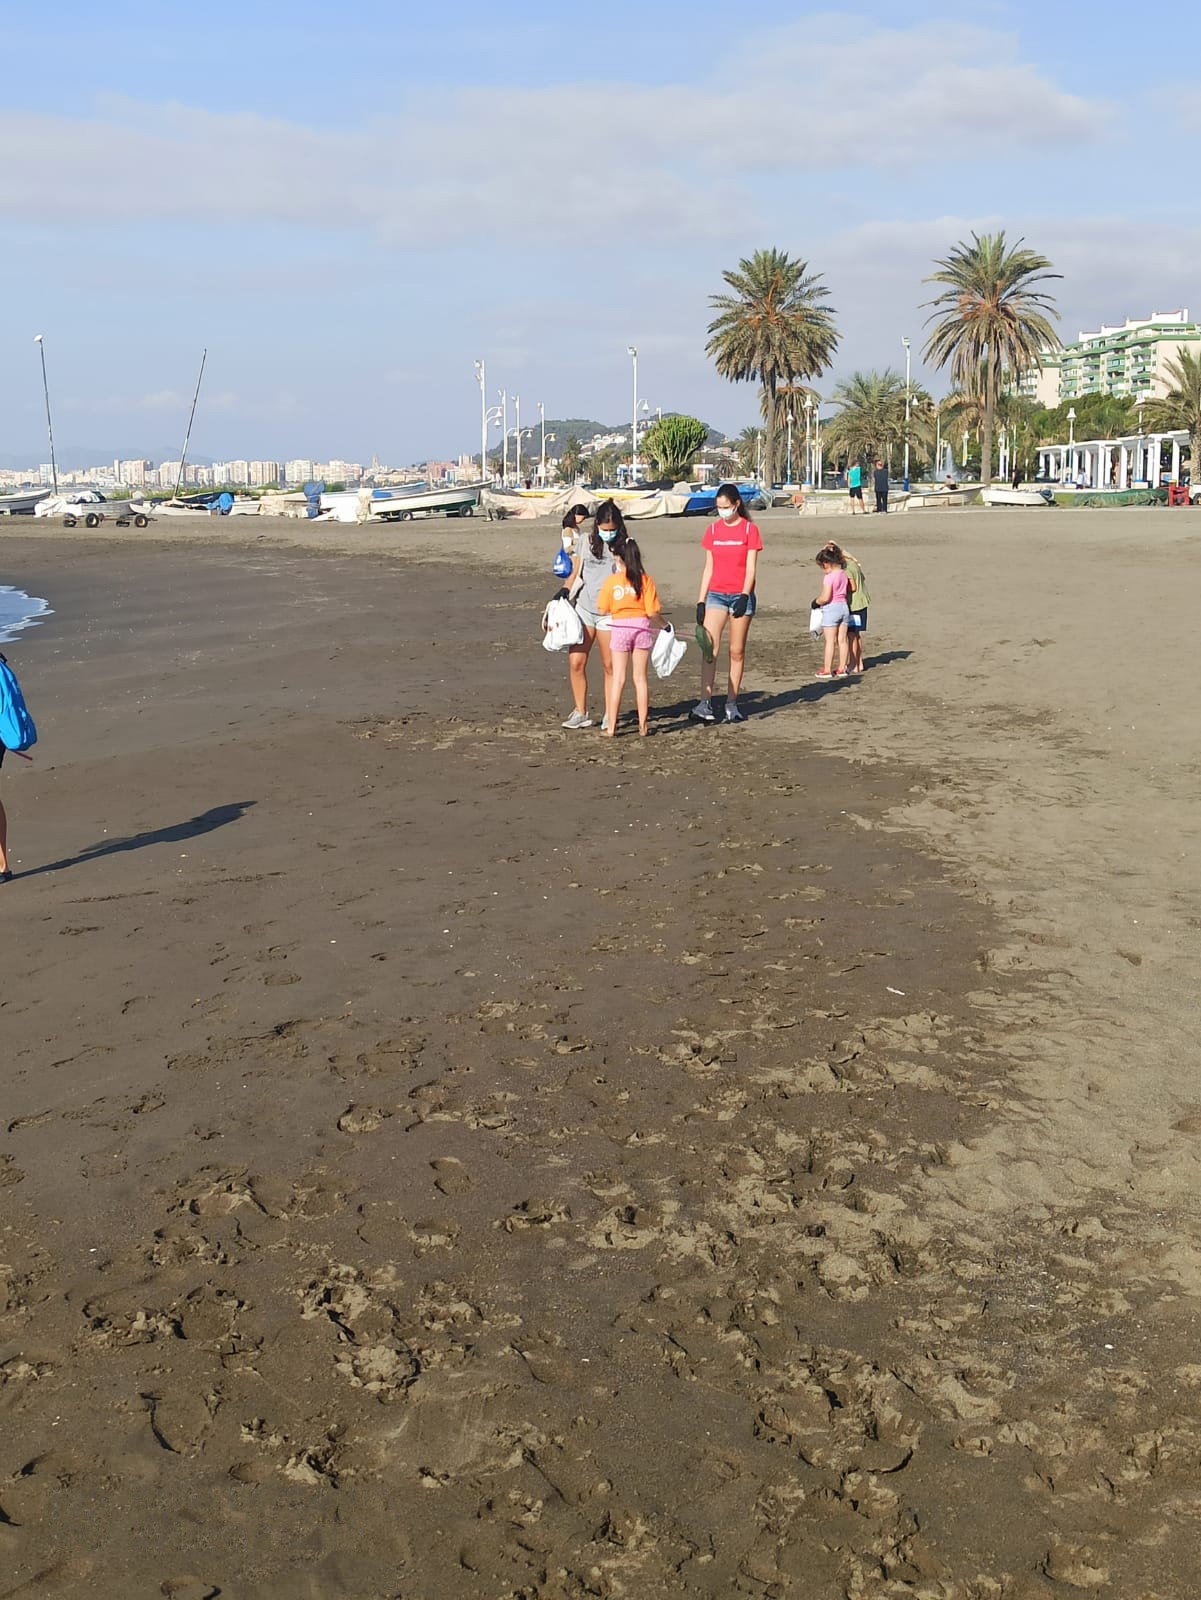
(451, 1176)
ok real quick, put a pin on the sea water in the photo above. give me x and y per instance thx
(19, 611)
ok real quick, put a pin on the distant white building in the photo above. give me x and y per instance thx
(298, 471)
(264, 473)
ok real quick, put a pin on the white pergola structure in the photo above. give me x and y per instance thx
(1127, 463)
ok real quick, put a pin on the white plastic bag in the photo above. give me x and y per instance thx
(561, 626)
(667, 652)
(815, 621)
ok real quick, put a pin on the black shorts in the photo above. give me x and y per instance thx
(857, 622)
(856, 494)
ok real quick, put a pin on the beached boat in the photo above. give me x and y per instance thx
(996, 494)
(194, 505)
(22, 502)
(435, 502)
(941, 498)
(91, 508)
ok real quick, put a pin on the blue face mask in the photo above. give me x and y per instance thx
(607, 535)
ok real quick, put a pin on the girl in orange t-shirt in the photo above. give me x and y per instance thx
(631, 602)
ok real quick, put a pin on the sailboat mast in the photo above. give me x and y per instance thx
(37, 339)
(183, 454)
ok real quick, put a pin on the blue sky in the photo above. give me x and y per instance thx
(347, 212)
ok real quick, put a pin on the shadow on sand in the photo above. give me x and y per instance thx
(761, 703)
(217, 817)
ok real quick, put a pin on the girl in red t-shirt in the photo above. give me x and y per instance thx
(727, 595)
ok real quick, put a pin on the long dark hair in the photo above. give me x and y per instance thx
(631, 558)
(730, 491)
(607, 512)
(576, 511)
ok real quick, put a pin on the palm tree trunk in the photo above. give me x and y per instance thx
(769, 430)
(990, 405)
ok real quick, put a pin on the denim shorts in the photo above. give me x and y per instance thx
(725, 602)
(835, 614)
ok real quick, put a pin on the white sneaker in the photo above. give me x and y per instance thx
(577, 719)
(732, 712)
(703, 712)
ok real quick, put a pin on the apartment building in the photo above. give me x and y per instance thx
(1128, 360)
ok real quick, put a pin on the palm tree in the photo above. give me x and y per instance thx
(776, 327)
(570, 457)
(789, 400)
(871, 415)
(748, 448)
(990, 319)
(1180, 407)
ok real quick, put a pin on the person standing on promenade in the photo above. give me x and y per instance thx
(880, 479)
(855, 487)
(593, 563)
(732, 545)
(631, 602)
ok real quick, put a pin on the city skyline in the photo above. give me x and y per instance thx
(346, 266)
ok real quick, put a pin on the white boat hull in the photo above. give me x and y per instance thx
(993, 496)
(448, 502)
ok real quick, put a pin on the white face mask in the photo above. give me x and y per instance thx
(728, 513)
(607, 535)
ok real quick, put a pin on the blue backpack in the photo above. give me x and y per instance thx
(17, 731)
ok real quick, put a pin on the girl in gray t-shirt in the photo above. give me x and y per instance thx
(592, 565)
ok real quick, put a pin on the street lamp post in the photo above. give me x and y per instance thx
(1072, 441)
(632, 352)
(481, 378)
(37, 339)
(504, 438)
(517, 431)
(908, 393)
(808, 439)
(965, 433)
(542, 456)
(938, 438)
(817, 441)
(790, 444)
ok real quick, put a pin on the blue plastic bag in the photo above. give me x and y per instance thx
(561, 566)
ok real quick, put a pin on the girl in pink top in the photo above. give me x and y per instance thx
(835, 613)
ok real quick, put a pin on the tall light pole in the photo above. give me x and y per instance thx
(965, 433)
(37, 339)
(908, 394)
(542, 457)
(790, 441)
(517, 431)
(632, 352)
(938, 438)
(817, 439)
(504, 438)
(809, 439)
(481, 378)
(1072, 441)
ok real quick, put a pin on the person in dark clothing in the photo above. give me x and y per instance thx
(881, 483)
(1017, 477)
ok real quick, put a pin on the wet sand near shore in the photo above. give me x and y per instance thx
(444, 1156)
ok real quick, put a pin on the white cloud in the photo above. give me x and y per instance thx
(832, 94)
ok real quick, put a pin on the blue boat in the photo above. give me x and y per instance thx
(704, 502)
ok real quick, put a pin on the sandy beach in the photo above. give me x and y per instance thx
(447, 1158)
